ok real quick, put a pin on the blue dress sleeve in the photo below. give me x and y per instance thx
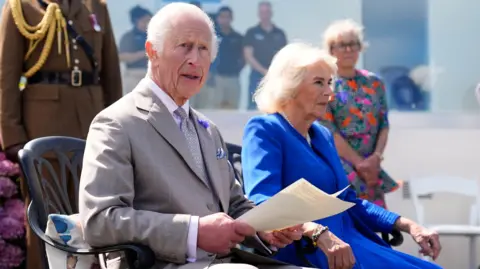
(373, 216)
(261, 161)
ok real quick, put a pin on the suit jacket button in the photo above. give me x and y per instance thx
(211, 207)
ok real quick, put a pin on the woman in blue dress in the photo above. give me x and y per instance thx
(287, 143)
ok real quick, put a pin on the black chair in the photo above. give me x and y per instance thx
(52, 196)
(235, 158)
(305, 247)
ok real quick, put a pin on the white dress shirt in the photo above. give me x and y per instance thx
(172, 106)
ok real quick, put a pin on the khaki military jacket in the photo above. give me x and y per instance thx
(55, 109)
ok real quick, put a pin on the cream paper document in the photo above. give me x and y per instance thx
(298, 203)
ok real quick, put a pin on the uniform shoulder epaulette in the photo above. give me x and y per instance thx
(52, 25)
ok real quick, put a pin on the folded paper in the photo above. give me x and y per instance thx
(298, 203)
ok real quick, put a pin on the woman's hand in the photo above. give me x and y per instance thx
(339, 253)
(368, 170)
(428, 241)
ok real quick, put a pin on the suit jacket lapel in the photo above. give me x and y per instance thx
(161, 119)
(209, 153)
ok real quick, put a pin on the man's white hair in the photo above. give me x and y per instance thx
(342, 27)
(160, 24)
(286, 72)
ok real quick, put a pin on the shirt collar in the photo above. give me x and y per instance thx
(164, 97)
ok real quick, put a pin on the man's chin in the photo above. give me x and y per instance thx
(191, 91)
(192, 86)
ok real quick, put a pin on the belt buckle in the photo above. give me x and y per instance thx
(76, 78)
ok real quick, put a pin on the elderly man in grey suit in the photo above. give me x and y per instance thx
(155, 170)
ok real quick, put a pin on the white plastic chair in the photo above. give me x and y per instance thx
(445, 184)
(477, 93)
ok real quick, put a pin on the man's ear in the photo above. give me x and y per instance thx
(151, 52)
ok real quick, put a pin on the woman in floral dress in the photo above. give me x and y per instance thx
(358, 115)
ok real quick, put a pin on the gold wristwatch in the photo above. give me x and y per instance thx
(317, 233)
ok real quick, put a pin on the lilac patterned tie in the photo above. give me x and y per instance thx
(188, 129)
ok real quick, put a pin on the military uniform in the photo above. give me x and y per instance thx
(63, 97)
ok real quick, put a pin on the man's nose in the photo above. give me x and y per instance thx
(193, 57)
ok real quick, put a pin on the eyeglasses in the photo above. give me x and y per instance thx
(342, 46)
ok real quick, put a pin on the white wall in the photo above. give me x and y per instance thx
(453, 47)
(419, 145)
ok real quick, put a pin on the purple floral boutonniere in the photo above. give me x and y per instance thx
(204, 123)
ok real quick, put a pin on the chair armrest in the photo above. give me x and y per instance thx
(138, 256)
(258, 245)
(397, 238)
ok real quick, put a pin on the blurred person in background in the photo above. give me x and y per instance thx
(229, 62)
(56, 91)
(260, 45)
(132, 48)
(199, 5)
(357, 114)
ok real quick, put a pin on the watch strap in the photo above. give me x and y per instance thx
(317, 233)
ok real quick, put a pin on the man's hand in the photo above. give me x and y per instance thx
(218, 233)
(339, 253)
(12, 152)
(282, 238)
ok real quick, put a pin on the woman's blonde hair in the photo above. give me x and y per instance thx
(342, 27)
(286, 73)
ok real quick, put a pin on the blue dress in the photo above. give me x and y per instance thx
(274, 155)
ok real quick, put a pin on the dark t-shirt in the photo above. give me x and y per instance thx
(134, 41)
(230, 59)
(265, 44)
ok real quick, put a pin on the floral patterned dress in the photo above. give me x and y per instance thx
(358, 112)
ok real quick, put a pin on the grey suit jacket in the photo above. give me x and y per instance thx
(140, 184)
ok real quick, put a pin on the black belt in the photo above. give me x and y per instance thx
(75, 78)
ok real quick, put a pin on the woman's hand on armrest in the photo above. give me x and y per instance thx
(428, 240)
(339, 253)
